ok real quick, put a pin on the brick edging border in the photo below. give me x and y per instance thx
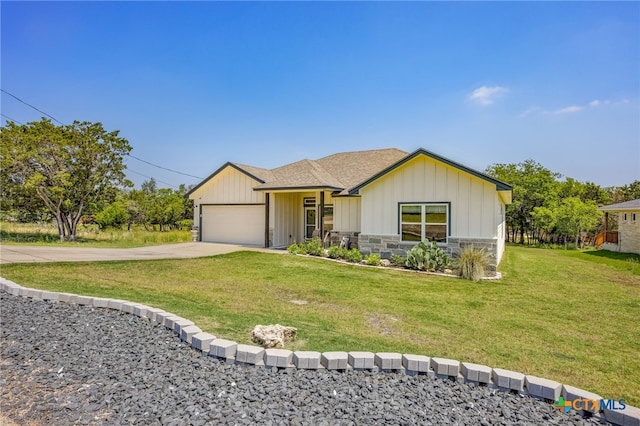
(412, 365)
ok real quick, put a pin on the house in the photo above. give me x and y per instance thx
(627, 238)
(381, 201)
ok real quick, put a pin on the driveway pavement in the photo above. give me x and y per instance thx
(30, 254)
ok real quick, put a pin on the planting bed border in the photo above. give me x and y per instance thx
(447, 369)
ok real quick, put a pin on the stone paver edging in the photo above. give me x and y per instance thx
(409, 364)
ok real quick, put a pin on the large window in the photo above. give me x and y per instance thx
(424, 221)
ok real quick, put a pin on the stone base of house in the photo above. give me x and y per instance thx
(610, 247)
(335, 238)
(387, 245)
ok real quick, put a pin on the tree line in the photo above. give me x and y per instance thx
(549, 209)
(76, 174)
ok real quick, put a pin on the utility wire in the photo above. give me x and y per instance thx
(58, 121)
(149, 177)
(163, 168)
(10, 119)
(31, 106)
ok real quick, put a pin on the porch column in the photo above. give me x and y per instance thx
(321, 215)
(266, 220)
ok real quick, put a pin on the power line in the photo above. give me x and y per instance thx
(31, 106)
(10, 119)
(149, 177)
(163, 168)
(58, 121)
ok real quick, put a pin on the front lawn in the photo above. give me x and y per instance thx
(564, 315)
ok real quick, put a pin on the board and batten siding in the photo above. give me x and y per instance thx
(346, 214)
(473, 200)
(286, 218)
(230, 186)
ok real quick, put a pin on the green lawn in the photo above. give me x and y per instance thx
(565, 315)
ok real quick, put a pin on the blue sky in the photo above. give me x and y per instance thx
(192, 85)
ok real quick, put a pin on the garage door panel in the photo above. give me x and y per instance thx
(240, 224)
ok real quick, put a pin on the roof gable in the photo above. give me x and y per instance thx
(500, 186)
(254, 173)
(352, 168)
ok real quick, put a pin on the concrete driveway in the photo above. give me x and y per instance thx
(30, 254)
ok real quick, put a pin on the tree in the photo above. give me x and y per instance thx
(67, 167)
(533, 186)
(574, 217)
(113, 216)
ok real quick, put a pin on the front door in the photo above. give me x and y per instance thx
(309, 222)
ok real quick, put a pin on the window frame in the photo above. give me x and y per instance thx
(423, 223)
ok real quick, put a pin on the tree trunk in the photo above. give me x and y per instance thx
(60, 226)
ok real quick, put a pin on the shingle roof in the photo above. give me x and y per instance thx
(627, 205)
(345, 172)
(338, 171)
(355, 167)
(262, 174)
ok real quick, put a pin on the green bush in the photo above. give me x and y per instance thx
(373, 260)
(398, 260)
(314, 247)
(296, 248)
(353, 255)
(336, 252)
(472, 263)
(113, 216)
(427, 257)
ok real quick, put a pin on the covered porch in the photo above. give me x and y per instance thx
(299, 215)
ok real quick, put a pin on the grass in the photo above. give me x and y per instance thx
(88, 236)
(564, 315)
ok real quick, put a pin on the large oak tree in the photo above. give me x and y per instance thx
(67, 167)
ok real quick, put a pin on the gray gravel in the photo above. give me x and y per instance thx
(68, 364)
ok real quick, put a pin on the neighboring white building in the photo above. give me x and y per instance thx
(383, 201)
(628, 234)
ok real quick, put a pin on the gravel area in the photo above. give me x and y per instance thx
(67, 364)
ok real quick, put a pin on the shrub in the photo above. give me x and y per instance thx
(314, 247)
(353, 255)
(427, 257)
(373, 260)
(113, 216)
(398, 260)
(471, 263)
(296, 248)
(335, 252)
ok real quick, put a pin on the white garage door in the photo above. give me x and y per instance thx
(233, 224)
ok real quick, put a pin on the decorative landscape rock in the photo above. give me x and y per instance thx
(100, 366)
(273, 336)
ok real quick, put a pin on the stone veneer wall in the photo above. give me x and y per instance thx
(629, 234)
(335, 238)
(412, 365)
(387, 245)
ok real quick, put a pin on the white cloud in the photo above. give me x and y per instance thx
(487, 95)
(569, 109)
(530, 111)
(573, 108)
